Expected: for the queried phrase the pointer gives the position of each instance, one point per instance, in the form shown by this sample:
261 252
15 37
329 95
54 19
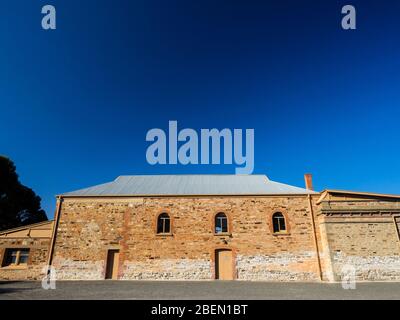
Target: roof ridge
191 175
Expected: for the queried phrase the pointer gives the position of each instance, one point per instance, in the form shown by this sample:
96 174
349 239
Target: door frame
106 262
214 261
395 217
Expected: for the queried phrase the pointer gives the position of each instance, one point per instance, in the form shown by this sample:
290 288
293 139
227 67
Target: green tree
19 205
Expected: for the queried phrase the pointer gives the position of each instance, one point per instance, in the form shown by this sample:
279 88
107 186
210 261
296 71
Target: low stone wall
279 267
30 273
169 269
68 269
282 267
365 247
373 268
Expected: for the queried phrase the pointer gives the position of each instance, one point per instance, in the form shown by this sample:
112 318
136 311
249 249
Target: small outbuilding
24 251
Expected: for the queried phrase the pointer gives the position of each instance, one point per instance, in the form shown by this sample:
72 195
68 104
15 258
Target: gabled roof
342 193
36 230
167 185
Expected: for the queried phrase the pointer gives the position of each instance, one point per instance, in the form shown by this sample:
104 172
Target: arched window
278 222
221 223
163 223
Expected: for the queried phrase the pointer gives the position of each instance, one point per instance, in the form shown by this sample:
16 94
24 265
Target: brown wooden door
223 264
112 264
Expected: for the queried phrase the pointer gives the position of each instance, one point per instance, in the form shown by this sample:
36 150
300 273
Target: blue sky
76 103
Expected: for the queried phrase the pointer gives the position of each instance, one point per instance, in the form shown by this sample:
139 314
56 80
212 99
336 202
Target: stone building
24 251
203 227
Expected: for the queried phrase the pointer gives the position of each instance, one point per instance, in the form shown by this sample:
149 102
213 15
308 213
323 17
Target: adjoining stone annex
24 251
203 227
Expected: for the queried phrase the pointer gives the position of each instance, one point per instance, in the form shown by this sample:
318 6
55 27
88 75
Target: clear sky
76 103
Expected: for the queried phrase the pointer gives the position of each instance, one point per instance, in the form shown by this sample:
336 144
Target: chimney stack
308 180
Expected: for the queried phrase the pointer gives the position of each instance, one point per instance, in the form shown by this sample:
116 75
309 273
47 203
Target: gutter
315 237
54 233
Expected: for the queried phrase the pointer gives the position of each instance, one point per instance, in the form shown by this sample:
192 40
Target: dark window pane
224 225
221 223
160 225
275 224
282 226
23 259
217 225
23 256
167 226
11 256
278 222
163 223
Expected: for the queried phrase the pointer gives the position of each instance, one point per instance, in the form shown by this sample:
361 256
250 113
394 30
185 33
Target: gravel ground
171 290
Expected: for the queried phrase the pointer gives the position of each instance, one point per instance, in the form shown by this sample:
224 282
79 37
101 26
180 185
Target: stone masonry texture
89 227
352 236
361 238
37 261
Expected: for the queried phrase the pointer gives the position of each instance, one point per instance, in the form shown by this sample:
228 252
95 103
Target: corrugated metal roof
189 185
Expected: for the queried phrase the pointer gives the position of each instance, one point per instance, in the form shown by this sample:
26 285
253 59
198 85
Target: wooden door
223 264
112 264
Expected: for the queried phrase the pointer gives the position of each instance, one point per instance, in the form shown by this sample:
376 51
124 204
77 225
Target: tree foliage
19 205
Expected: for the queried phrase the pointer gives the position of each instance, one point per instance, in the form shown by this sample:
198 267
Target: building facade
217 227
24 251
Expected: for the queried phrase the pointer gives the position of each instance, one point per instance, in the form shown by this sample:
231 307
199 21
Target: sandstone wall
89 227
367 244
36 262
361 238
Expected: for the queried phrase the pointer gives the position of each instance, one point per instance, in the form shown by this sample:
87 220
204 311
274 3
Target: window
23 256
397 222
163 223
15 257
221 223
278 222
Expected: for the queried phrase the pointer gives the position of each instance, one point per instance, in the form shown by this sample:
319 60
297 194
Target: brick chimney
308 180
